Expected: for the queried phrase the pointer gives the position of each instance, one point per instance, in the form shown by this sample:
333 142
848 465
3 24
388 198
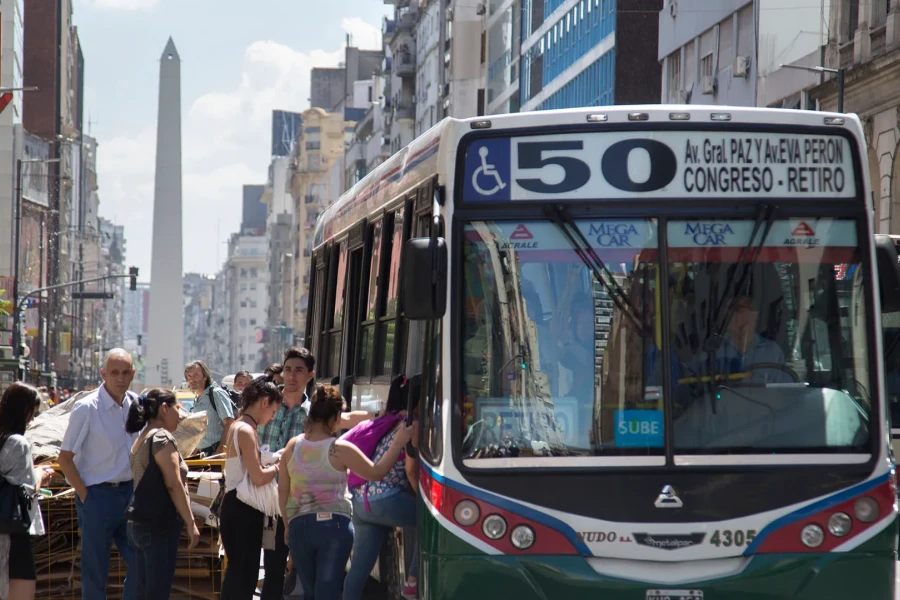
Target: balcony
404 64
404 110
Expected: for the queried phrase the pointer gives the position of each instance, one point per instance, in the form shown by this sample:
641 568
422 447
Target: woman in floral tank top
312 488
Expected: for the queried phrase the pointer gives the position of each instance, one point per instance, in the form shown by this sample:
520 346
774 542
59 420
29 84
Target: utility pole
840 79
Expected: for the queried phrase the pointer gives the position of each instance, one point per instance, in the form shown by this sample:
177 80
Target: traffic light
133 275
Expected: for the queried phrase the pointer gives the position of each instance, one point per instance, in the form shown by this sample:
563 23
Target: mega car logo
613 235
668 541
708 234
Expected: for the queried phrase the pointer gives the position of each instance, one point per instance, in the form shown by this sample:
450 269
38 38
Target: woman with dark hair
160 506
312 488
18 406
381 506
241 525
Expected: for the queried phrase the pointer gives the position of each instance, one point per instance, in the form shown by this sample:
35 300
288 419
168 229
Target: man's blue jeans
371 528
155 549
320 549
101 518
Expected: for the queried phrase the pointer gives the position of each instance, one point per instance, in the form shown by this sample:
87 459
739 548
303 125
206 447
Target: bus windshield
563 353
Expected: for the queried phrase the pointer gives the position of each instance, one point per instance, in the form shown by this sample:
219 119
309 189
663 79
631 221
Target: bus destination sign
658 164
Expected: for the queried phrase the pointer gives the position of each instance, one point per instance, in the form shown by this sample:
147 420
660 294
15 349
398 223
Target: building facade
326 87
319 147
246 281
732 53
280 225
53 62
864 40
588 53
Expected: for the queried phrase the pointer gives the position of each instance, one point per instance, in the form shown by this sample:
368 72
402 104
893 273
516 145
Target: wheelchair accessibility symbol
488 172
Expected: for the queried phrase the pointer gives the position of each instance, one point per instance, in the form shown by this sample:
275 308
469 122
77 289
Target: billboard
285 128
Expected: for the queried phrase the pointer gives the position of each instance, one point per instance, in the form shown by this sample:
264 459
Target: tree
6 306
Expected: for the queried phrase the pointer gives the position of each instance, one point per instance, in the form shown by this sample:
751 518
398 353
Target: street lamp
18 238
817 69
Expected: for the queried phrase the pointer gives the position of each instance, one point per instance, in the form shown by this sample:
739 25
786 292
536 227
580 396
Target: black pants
275 562
242 533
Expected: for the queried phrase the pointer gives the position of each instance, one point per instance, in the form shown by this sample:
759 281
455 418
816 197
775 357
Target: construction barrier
198 571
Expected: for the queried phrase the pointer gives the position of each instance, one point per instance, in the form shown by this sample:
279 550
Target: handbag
15 504
263 498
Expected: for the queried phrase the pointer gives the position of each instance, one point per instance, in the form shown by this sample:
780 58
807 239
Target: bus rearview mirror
888 273
424 277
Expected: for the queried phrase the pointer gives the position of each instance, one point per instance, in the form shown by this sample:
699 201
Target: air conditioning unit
480 10
741 66
673 8
708 84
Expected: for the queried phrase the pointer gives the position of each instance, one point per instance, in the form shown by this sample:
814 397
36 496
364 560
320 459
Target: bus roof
433 153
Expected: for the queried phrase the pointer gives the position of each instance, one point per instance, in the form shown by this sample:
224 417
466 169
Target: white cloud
122 4
226 139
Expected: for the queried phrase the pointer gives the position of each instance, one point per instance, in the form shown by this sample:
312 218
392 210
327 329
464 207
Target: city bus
644 347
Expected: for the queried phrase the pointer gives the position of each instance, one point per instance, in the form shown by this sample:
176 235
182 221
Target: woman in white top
18 406
241 525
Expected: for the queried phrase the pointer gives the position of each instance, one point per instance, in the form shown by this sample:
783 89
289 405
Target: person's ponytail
146 408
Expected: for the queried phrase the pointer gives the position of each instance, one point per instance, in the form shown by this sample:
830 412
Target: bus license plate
674 595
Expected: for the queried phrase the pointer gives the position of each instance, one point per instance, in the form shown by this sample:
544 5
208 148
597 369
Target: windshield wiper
765 218
588 256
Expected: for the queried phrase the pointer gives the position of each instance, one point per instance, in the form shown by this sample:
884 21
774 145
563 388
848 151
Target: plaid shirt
287 423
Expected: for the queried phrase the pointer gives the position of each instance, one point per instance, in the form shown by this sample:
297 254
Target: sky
238 64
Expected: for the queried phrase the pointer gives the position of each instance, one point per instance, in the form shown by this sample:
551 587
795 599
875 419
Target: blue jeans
155 548
101 518
371 528
320 550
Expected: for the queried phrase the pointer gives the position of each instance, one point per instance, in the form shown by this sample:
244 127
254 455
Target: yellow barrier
198 572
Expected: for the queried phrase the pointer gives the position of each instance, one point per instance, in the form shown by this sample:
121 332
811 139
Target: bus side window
392 327
314 341
336 314
370 301
430 421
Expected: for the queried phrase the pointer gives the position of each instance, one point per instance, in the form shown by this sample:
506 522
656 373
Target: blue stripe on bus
814 508
524 511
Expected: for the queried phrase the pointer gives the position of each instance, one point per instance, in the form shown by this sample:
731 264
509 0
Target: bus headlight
522 537
866 509
812 536
494 527
466 513
839 524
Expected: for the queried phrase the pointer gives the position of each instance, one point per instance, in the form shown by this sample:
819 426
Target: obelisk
165 347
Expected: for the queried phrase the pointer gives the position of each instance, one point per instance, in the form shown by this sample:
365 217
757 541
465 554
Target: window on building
243 322
253 287
852 7
254 272
243 272
243 287
675 76
243 305
252 321
253 304
706 65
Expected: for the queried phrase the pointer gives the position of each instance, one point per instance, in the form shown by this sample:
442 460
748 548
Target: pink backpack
366 436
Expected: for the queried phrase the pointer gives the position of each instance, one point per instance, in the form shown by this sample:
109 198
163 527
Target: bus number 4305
732 537
674 595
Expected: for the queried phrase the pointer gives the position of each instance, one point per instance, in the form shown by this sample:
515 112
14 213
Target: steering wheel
777 367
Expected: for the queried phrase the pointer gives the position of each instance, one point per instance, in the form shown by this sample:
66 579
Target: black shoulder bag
15 504
151 502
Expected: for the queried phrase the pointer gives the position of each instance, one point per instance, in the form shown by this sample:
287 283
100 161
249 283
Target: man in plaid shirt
298 370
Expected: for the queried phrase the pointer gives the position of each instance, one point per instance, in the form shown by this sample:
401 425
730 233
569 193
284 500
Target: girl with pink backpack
381 506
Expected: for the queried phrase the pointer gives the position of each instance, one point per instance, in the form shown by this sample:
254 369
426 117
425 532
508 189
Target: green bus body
567 491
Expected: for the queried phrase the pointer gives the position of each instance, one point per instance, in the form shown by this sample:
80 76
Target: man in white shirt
95 460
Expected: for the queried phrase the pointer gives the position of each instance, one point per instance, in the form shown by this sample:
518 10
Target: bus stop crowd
294 490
